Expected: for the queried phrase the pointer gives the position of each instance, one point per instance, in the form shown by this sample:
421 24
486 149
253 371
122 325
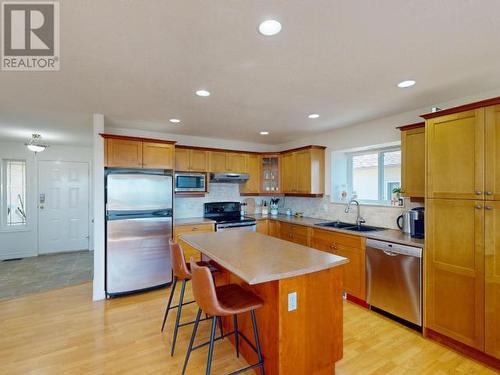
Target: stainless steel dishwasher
394 279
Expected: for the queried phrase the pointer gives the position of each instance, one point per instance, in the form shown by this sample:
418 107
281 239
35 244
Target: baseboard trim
357 301
462 348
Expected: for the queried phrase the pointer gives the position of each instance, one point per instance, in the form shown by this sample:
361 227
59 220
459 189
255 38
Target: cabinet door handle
478 206
489 193
194 229
489 208
479 192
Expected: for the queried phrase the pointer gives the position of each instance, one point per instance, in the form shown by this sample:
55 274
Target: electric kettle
404 222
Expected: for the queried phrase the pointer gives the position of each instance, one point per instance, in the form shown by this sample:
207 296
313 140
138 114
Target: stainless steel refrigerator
138 228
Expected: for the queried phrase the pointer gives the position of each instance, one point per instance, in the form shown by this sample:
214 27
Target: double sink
349 226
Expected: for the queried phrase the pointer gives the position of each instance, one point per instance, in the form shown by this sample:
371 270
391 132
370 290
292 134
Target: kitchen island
300 323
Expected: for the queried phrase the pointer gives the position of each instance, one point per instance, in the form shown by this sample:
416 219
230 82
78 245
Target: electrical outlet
292 301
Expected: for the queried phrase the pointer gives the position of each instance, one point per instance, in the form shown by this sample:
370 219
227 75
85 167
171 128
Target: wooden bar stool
182 272
222 301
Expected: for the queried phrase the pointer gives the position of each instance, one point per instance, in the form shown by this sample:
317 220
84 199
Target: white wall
98 216
24 243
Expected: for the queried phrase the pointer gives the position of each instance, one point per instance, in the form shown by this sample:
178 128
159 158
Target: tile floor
45 272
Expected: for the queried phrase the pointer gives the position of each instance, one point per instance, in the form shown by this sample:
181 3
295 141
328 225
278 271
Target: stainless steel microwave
190 181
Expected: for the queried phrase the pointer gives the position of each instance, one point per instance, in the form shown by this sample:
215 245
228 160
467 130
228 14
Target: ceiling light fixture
313 115
174 120
35 145
264 133
406 83
269 27
203 93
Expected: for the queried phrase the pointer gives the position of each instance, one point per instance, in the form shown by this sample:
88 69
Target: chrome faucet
359 219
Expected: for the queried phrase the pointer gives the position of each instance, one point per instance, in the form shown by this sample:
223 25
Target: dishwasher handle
390 253
394 249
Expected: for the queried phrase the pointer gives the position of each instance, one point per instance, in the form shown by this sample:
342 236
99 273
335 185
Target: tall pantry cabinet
462 268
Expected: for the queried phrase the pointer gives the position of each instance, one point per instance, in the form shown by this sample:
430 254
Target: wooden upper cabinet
413 162
198 160
492 159
130 152
191 160
253 169
492 278
217 161
123 153
303 171
455 155
181 159
157 155
236 162
454 270
288 173
350 247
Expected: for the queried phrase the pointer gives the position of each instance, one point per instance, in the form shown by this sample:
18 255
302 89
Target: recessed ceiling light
174 120
203 93
407 83
270 27
313 115
264 133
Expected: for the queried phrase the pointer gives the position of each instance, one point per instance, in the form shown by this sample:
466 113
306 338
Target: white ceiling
139 63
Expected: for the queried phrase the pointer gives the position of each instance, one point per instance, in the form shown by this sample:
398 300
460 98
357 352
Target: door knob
478 206
489 193
488 208
479 192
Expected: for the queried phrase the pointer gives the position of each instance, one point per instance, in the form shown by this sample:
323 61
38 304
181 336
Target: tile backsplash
320 208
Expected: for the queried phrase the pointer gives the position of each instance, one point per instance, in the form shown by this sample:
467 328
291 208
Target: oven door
190 181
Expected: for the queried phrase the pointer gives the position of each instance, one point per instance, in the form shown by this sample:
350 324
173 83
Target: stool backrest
179 266
204 289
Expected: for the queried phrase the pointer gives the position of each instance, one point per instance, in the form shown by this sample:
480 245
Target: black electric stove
228 215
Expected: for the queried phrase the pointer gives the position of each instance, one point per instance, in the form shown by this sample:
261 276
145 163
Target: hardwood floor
63 332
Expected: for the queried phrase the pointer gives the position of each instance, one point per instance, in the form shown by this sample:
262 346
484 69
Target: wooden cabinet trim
138 139
463 108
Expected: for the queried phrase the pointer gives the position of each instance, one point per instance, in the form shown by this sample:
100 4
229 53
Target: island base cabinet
304 341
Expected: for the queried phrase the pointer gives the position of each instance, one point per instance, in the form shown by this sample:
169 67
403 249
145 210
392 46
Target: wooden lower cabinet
187 249
295 233
263 226
274 228
350 247
492 278
454 270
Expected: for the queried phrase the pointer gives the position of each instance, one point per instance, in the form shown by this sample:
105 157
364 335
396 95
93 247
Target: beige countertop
193 221
390 235
257 258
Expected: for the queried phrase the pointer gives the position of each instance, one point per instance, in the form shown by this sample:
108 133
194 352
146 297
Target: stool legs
172 291
211 345
178 319
211 342
191 342
236 335
257 342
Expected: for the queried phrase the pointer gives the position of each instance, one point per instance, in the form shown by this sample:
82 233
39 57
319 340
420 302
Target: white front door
63 206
